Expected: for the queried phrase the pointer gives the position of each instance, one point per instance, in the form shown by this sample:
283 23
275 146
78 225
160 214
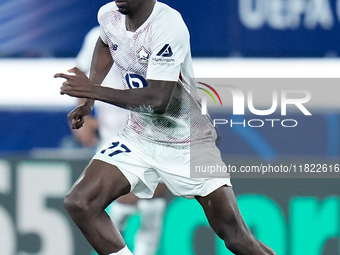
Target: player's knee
75 205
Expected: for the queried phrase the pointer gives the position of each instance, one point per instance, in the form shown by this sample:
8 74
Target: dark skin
102 183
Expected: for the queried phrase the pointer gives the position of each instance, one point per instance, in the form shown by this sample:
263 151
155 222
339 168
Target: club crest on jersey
165 52
143 56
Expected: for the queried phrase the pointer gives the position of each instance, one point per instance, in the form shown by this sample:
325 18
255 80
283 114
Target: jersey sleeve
103 36
102 12
170 46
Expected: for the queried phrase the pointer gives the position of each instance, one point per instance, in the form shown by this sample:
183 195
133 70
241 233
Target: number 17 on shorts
116 148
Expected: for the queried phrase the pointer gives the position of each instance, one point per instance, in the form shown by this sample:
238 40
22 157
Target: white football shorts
145 163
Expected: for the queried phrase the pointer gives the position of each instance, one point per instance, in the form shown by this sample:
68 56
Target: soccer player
108 121
165 133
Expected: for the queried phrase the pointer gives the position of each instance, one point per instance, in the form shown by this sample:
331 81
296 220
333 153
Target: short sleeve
103 36
104 9
170 46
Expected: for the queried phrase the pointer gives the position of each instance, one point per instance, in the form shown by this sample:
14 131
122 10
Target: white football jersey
158 50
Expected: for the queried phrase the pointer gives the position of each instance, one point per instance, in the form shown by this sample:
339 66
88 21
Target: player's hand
76 84
88 134
77 116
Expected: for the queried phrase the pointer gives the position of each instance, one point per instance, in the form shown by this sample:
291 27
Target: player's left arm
152 99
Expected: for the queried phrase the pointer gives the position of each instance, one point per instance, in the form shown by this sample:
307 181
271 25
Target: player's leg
226 220
97 187
151 211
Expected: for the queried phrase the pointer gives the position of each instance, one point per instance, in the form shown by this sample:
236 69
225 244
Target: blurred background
40 159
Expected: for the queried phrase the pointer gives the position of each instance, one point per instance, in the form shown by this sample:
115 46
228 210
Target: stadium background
239 38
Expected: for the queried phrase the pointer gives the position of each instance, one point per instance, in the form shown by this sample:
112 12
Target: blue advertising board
261 28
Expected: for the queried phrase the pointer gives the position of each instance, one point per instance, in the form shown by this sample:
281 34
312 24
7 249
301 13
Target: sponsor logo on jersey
164 57
135 81
165 52
143 56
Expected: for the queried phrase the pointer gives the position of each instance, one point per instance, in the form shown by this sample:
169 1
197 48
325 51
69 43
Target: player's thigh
99 184
222 212
161 190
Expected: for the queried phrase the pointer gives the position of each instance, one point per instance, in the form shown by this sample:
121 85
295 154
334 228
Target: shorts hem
211 188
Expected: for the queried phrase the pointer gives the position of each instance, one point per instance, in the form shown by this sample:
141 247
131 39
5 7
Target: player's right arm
100 66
